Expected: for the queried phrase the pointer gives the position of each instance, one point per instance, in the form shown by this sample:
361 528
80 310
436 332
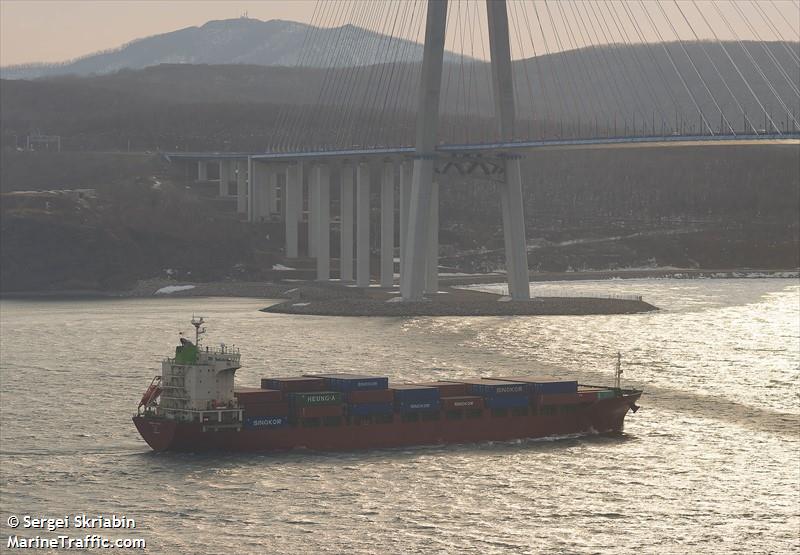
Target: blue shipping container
415 394
507 401
493 389
266 421
369 409
354 382
548 388
410 406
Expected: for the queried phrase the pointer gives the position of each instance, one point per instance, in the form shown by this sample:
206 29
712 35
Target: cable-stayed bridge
682 72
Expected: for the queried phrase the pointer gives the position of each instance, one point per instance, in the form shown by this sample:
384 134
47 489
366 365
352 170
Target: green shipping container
315 398
607 394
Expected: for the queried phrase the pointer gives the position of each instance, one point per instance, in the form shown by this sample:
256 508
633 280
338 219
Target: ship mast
197 322
618 378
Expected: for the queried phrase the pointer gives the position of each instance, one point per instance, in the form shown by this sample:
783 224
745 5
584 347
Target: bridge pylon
418 262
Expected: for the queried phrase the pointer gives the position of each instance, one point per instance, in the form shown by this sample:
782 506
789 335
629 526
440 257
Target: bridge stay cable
768 52
694 67
638 62
323 60
327 98
665 82
354 75
675 67
545 95
735 66
630 75
612 44
576 100
610 85
288 109
409 78
396 121
314 62
560 92
758 69
716 69
593 103
605 45
375 117
521 64
777 32
363 78
375 72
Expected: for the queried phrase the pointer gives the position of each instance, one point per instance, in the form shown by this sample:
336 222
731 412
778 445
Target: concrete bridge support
362 225
406 174
313 213
294 199
257 201
511 192
346 218
202 170
418 249
241 187
387 225
432 266
271 202
226 175
321 179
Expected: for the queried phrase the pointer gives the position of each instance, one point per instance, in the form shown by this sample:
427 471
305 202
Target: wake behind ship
194 406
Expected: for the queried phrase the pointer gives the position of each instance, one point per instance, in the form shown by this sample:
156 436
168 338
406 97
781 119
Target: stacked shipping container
335 395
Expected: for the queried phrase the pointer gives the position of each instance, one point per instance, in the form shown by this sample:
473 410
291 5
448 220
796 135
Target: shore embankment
335 299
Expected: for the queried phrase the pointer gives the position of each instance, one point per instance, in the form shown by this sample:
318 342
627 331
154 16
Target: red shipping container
249 395
320 411
462 402
371 396
267 409
587 395
557 399
449 389
296 384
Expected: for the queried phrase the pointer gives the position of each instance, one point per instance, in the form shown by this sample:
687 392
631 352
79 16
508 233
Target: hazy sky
58 30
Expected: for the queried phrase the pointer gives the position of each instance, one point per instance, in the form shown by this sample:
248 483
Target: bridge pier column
346 218
387 225
511 192
321 178
271 200
202 170
254 177
264 180
417 251
223 178
251 169
294 198
432 264
406 174
242 198
514 222
313 213
362 225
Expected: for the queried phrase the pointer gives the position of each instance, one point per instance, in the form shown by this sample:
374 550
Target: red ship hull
603 416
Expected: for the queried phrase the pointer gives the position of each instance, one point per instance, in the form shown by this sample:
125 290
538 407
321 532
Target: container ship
194 405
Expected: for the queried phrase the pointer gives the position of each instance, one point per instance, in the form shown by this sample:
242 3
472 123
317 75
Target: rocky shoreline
333 299
549 306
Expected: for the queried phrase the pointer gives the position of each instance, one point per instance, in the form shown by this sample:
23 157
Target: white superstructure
196 385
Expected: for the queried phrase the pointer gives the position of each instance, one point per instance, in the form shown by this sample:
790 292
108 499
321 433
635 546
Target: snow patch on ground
173 289
281 267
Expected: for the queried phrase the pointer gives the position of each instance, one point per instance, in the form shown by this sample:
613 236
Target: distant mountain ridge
235 41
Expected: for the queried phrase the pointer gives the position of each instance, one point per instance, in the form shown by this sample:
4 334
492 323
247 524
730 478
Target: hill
233 41
239 107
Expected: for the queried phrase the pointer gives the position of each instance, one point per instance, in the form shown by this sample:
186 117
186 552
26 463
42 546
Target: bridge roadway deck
501 147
